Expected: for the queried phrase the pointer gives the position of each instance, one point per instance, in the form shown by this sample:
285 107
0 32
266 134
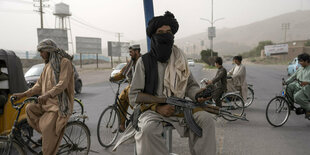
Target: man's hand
19 95
111 79
42 99
165 110
201 99
209 82
304 83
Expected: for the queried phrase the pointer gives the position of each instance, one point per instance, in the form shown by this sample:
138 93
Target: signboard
86 45
211 32
58 35
118 48
276 49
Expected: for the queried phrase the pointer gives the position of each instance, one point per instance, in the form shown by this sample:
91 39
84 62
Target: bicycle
76 138
109 120
231 102
78 109
250 94
279 107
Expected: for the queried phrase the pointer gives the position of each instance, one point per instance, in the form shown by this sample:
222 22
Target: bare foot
121 128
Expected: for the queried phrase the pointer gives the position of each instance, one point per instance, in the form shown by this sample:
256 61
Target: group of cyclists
161 72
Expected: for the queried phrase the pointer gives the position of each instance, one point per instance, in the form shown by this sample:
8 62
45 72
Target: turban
159 21
47 45
135 47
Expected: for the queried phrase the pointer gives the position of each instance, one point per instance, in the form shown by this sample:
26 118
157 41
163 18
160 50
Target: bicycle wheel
76 139
78 108
232 104
108 126
250 97
277 111
16 149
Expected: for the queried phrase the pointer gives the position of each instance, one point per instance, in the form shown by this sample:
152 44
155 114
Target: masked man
238 78
164 72
56 89
127 72
299 84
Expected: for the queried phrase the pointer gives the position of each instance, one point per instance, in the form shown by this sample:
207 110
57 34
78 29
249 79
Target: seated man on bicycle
56 89
127 72
298 87
237 82
219 81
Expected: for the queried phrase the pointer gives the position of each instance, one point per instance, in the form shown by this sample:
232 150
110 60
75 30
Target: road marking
220 132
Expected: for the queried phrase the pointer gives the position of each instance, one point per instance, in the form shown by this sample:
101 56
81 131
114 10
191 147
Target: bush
206 56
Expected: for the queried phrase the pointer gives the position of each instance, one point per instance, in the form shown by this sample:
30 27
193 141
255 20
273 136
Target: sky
105 18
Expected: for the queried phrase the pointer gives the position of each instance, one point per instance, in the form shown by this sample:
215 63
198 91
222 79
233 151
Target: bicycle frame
12 135
121 109
288 99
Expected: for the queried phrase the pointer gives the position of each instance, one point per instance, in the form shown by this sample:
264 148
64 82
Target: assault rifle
185 106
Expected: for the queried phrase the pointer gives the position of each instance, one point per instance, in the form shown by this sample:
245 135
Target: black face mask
161 46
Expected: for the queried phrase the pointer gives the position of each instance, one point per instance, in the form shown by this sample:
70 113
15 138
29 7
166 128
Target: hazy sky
105 17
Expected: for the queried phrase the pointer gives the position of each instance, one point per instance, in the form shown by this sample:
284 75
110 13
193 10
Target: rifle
186 106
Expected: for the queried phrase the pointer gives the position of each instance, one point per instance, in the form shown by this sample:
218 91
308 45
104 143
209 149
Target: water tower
62 20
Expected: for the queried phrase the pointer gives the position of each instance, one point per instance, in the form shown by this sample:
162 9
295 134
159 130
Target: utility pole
211 37
211 30
41 14
285 27
149 14
40 6
119 35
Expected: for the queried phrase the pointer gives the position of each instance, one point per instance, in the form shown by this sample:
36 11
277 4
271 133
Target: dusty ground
90 74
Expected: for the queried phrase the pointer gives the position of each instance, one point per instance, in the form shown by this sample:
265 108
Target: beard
48 59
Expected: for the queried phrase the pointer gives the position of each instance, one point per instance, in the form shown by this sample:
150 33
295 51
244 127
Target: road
255 137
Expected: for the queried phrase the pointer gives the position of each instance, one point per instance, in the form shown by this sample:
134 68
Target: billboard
87 45
118 48
276 49
58 35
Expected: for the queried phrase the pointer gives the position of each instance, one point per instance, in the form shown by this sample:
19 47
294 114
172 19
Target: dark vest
151 73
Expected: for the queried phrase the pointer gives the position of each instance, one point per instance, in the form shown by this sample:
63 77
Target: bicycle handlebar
285 83
119 82
20 105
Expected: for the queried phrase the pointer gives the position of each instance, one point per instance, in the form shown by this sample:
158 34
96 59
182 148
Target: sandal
307 115
37 144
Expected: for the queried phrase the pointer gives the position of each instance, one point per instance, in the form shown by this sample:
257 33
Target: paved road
239 137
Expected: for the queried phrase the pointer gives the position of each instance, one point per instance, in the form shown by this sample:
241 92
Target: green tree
307 43
206 56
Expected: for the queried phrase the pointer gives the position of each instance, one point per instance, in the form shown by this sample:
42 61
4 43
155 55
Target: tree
307 43
206 56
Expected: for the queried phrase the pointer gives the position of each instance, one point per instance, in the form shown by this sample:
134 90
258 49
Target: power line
96 28
86 24
19 1
17 11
